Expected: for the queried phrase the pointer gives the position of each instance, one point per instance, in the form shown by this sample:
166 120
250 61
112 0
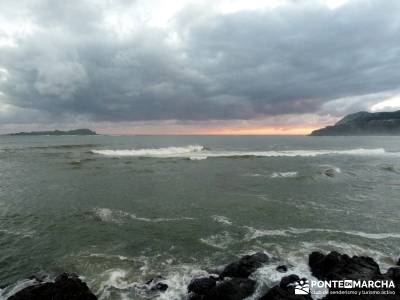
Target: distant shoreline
81 131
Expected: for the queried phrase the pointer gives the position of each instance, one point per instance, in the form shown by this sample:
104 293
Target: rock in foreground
245 266
285 290
336 266
232 283
65 287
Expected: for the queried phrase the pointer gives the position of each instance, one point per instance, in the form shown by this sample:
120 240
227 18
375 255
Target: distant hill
83 131
364 123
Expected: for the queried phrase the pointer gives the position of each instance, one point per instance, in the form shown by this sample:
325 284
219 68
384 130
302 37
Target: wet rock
202 286
336 266
232 289
227 289
156 284
330 172
394 274
216 270
282 268
398 262
285 290
65 287
160 286
245 266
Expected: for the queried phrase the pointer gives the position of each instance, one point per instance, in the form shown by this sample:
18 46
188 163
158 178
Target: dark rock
202 286
330 172
285 290
154 279
65 287
216 270
282 268
194 296
245 266
394 274
232 289
336 266
288 280
398 262
156 284
160 286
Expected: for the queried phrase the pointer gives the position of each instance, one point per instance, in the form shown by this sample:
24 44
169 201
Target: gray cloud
298 58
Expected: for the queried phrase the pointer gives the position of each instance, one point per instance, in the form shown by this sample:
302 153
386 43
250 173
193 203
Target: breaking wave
118 217
198 152
221 219
154 152
257 233
283 174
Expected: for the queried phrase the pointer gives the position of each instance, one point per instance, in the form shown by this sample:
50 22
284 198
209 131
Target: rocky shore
235 282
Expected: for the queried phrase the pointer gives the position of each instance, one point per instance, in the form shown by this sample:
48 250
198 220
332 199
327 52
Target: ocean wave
154 152
257 233
283 174
197 152
10 290
119 217
221 219
220 240
23 233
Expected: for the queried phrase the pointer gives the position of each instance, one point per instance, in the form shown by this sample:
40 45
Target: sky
196 67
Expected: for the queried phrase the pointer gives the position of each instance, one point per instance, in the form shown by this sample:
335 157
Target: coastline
235 281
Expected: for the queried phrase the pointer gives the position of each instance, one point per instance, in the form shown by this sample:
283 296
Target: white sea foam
196 152
267 276
222 220
283 174
115 279
154 152
220 240
179 279
118 284
257 233
15 288
118 216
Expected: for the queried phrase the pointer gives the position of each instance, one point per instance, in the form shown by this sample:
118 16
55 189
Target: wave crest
153 152
198 152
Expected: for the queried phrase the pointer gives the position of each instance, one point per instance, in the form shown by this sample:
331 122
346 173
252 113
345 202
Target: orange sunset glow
260 131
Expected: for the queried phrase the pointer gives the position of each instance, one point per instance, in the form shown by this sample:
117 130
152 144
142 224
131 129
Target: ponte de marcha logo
302 287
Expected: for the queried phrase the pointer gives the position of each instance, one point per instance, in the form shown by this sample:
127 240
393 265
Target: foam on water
179 279
283 174
15 288
221 219
257 233
115 280
220 240
118 217
154 152
196 152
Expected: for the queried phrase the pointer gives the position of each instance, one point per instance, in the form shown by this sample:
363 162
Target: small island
82 131
364 123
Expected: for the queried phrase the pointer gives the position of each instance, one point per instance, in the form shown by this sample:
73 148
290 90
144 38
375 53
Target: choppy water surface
119 210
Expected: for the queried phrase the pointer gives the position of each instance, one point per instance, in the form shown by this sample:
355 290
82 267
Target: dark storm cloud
204 65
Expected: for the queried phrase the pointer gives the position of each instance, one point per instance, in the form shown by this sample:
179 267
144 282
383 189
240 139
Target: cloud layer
137 61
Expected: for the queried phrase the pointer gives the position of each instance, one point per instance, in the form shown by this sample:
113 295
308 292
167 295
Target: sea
120 210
